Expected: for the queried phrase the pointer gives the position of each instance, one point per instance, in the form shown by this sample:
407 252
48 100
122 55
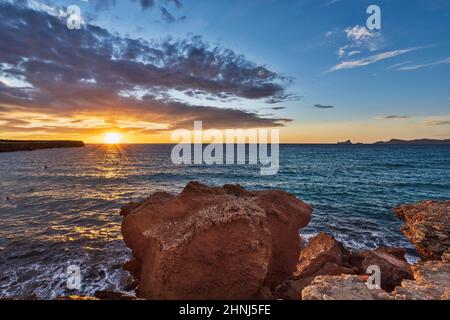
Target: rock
432 282
323 255
213 243
321 252
291 289
111 295
264 294
427 226
392 263
344 287
446 256
73 298
154 199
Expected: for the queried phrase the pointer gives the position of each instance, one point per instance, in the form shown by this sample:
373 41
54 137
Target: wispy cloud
394 66
425 65
437 122
392 117
330 2
351 64
321 106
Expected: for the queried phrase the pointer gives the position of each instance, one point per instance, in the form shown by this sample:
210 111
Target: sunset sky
144 68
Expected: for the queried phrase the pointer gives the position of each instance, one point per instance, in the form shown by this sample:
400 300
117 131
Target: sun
112 137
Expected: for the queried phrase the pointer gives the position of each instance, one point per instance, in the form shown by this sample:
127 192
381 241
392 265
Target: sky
143 68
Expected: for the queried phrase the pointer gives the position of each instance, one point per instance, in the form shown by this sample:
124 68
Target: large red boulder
213 243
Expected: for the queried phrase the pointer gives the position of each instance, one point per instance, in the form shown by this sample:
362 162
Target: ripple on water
67 213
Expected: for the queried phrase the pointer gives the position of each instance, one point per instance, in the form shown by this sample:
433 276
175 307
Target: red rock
394 268
323 255
213 243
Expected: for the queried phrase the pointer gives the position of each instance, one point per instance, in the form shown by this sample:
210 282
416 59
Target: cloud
359 33
392 116
321 106
425 65
351 64
146 5
437 122
359 37
167 16
91 73
330 2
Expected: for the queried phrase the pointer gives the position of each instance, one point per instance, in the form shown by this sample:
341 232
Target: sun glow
112 138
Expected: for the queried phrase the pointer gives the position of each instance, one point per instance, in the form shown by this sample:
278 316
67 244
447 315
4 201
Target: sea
59 208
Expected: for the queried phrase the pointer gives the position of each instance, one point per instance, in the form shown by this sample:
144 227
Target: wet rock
427 226
213 243
344 287
392 263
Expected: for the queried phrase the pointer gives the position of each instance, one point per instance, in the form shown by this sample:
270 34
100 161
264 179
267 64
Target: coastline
31 145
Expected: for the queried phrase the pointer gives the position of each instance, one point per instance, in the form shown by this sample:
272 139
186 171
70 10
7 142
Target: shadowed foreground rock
427 226
213 243
323 255
392 263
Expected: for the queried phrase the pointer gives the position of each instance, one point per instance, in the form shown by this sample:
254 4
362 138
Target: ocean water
60 207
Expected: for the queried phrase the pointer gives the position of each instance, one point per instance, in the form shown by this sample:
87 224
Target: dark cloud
394 116
146 4
94 72
167 16
321 106
278 108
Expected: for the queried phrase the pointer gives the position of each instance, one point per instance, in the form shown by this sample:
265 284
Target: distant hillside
417 141
30 145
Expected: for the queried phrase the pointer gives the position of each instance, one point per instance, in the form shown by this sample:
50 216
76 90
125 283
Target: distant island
30 145
348 143
403 142
416 141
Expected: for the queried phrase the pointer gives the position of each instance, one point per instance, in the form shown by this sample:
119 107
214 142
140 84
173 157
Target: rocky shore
225 242
30 145
229 243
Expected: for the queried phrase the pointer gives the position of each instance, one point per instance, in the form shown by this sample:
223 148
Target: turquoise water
60 207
